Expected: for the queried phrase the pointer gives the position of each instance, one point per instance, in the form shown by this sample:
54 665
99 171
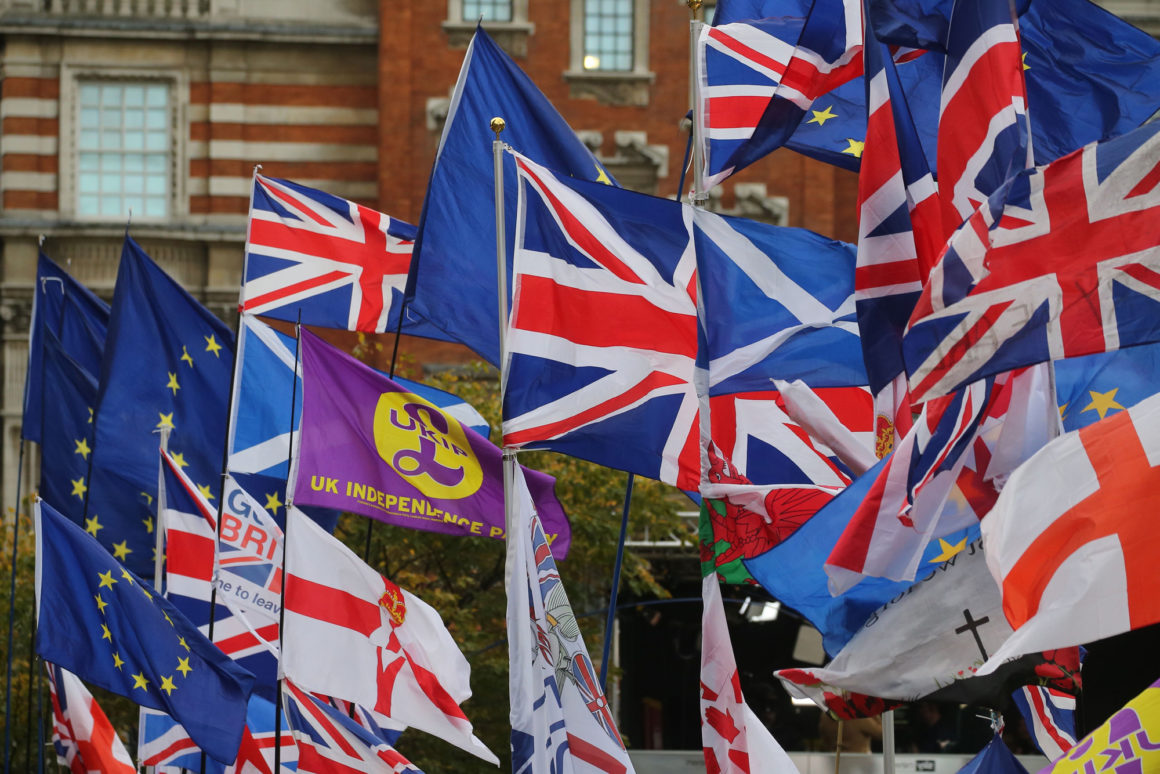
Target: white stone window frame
512 35
618 87
71 78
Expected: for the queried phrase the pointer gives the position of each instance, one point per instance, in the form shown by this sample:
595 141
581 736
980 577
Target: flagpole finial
497 125
694 5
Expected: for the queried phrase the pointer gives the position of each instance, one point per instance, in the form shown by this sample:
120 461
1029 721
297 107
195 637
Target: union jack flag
898 237
191 528
1050 718
82 735
983 131
602 339
1064 260
330 742
945 474
757 78
339 264
163 743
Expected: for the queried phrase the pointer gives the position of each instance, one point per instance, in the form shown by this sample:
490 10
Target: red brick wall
416 62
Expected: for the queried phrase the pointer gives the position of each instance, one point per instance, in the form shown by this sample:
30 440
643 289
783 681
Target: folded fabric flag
397 656
371 447
101 622
559 714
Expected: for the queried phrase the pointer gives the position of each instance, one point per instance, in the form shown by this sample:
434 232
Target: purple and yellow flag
1129 743
368 446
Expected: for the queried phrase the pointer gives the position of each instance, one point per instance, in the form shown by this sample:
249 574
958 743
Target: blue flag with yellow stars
99 621
79 320
67 439
1092 387
1090 75
167 366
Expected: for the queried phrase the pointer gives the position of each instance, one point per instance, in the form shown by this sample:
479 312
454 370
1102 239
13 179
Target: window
489 10
505 20
608 39
609 51
123 149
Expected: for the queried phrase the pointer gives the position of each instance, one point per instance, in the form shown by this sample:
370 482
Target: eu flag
78 318
101 622
167 366
453 281
66 442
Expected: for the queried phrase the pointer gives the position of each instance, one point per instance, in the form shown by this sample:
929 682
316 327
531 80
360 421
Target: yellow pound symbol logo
424 446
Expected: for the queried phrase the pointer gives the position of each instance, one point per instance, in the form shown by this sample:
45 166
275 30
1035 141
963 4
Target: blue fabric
101 622
758 280
158 335
995 758
66 441
453 281
77 317
1090 76
793 571
1094 386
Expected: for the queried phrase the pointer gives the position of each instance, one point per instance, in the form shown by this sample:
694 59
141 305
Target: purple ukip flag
368 446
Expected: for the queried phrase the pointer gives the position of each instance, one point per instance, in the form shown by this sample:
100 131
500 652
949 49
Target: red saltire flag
398 658
1071 541
84 738
733 740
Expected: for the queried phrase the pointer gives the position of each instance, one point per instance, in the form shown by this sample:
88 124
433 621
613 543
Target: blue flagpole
611 621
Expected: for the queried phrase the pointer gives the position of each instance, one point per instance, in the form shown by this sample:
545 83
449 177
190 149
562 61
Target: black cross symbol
973 627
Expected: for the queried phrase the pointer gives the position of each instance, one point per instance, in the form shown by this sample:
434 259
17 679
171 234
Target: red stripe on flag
1045 719
584 239
291 202
1142 273
881 275
594 756
653 381
597 319
334 606
736 112
189 555
274 296
752 54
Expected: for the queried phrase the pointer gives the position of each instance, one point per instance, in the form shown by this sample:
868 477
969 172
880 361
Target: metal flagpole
611 621
15 544
497 125
159 530
285 540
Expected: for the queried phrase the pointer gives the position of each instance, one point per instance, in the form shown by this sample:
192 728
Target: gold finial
694 5
497 126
